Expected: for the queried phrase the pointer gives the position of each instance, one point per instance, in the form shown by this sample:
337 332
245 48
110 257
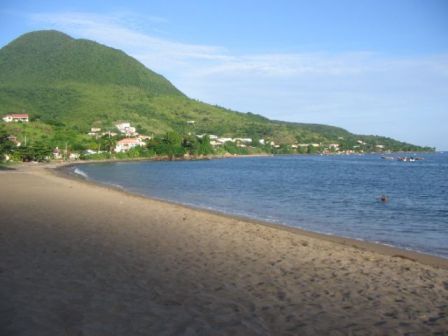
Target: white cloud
363 91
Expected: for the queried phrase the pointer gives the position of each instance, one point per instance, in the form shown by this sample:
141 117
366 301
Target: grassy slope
78 84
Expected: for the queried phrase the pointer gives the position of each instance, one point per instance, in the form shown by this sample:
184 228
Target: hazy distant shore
77 258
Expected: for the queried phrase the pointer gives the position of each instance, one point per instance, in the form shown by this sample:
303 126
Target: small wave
81 173
119 186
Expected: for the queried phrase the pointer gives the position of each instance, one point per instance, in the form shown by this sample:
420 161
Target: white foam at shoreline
81 173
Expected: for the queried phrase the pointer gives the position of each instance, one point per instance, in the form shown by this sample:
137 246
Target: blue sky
372 67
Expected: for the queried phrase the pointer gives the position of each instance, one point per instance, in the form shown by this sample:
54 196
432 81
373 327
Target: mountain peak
50 57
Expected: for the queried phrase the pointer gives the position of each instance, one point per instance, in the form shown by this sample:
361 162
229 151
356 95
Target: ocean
335 195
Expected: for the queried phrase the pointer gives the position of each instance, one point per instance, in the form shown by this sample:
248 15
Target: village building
144 137
91 152
74 156
224 140
244 140
57 153
109 133
126 144
16 118
126 128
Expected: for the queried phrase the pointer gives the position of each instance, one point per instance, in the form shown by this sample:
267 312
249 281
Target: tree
6 146
37 152
170 144
108 143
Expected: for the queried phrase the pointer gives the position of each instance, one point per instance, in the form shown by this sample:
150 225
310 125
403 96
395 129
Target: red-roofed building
16 117
126 144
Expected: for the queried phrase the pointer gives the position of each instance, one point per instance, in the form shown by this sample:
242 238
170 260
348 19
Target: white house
57 153
224 140
16 117
245 140
109 133
144 137
74 156
126 144
126 128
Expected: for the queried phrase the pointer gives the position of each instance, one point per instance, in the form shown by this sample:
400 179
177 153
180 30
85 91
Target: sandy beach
82 259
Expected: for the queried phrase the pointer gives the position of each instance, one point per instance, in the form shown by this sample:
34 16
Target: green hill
69 85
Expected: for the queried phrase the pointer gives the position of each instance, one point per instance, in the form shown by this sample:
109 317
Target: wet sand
81 259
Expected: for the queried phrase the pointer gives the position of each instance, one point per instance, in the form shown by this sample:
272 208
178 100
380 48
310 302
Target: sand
81 259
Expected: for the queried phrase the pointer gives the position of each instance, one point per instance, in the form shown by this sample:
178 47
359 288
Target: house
126 144
74 156
95 130
222 141
244 140
144 137
333 146
16 118
190 122
123 126
126 128
57 153
109 133
91 152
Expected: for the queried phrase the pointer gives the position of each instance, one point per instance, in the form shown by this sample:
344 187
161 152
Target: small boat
409 159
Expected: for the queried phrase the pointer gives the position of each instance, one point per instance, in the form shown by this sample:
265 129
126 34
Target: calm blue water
328 194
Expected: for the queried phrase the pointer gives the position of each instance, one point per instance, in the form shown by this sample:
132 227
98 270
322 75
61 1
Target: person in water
384 198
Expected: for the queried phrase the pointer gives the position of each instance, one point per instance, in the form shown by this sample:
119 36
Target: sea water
338 195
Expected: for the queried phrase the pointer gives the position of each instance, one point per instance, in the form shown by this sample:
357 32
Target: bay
337 195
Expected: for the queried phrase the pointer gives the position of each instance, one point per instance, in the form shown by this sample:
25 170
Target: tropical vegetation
68 86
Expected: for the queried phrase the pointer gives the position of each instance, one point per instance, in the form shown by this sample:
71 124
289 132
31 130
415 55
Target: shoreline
80 258
376 247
